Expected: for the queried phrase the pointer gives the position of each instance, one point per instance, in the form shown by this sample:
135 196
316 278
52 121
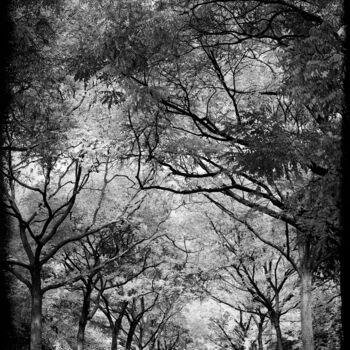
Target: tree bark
117 326
260 334
84 318
276 325
115 336
307 333
305 273
36 312
130 335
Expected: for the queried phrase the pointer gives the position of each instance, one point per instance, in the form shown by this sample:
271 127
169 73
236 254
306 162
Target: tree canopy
162 157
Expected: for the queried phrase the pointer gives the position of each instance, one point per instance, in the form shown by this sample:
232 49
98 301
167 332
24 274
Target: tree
309 267
86 261
107 261
199 127
39 227
226 336
237 100
45 170
264 277
115 317
44 177
174 335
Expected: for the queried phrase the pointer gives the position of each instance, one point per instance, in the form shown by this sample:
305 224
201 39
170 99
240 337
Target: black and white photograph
172 175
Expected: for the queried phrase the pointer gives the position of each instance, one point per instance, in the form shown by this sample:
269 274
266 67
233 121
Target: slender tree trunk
36 312
276 325
276 321
83 318
305 272
260 334
130 335
115 336
307 333
117 327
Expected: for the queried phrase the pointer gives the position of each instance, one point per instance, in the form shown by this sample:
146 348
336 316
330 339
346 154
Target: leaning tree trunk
83 320
305 272
36 312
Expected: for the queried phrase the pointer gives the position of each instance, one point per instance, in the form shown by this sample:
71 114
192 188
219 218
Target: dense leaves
234 105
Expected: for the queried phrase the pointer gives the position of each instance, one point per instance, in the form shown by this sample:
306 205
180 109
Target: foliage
238 105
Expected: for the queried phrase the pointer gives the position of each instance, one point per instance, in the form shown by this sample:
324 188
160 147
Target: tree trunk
84 318
305 273
130 335
276 325
117 327
260 334
307 333
115 335
36 312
